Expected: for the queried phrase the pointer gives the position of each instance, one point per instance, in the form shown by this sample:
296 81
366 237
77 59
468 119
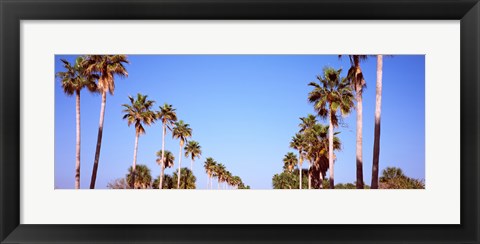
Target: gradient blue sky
243 110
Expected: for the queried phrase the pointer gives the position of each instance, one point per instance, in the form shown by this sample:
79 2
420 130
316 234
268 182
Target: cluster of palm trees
334 96
225 179
139 112
97 73
144 180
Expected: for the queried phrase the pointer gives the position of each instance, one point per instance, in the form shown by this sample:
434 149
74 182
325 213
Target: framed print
239 121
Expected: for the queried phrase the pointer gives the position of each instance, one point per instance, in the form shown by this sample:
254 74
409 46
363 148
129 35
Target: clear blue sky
243 110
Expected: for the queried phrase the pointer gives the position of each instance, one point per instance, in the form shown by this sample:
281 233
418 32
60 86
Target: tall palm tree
236 180
209 169
168 116
298 142
139 113
181 131
331 94
193 150
73 81
219 172
228 179
378 109
305 126
289 161
355 76
168 159
139 178
106 67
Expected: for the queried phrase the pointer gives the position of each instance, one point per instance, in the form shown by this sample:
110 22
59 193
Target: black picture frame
13 11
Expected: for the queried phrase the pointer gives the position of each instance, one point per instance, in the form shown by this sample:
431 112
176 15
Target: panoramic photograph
239 122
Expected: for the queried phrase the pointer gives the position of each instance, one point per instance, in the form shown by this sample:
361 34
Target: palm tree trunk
99 140
300 169
330 151
179 164
358 93
321 181
208 180
160 185
359 138
134 164
309 175
378 109
77 146
191 165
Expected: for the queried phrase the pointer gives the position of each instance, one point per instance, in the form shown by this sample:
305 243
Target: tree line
97 74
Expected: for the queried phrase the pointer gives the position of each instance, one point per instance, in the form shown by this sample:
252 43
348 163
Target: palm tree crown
193 150
75 79
106 66
290 161
181 131
168 158
139 113
141 176
331 94
167 115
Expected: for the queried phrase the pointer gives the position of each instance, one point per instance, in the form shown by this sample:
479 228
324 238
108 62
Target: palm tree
219 172
355 76
168 116
228 179
168 182
318 149
331 94
167 158
236 180
378 109
298 142
139 177
181 131
106 67
305 126
209 166
193 150
289 161
73 81
139 114
187 179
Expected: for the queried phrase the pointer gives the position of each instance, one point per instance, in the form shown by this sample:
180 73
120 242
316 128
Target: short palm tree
168 116
318 149
73 81
181 131
332 94
289 162
168 159
187 179
139 178
106 67
139 113
193 150
209 166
